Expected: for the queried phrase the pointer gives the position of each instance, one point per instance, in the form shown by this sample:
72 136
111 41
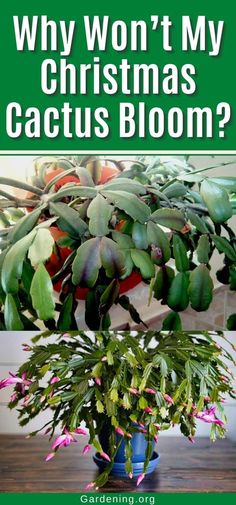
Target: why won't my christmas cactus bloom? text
89 231
149 382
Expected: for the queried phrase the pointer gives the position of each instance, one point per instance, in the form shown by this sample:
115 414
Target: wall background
12 356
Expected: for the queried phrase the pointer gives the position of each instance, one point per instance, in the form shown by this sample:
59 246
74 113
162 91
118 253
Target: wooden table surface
203 467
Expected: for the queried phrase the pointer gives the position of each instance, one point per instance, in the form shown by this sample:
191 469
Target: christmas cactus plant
125 382
92 230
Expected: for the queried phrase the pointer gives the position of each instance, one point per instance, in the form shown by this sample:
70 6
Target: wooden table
203 467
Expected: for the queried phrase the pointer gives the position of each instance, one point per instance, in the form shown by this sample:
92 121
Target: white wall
12 356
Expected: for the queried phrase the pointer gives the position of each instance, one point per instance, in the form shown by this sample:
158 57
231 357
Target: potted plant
122 389
151 221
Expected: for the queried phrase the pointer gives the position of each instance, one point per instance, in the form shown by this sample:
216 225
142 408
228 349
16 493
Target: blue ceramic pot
139 445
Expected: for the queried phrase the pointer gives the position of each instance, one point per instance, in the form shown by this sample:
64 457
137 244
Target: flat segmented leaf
13 263
217 201
170 218
200 288
69 219
41 247
99 213
130 203
223 246
11 315
25 225
143 262
112 258
180 254
158 239
41 292
178 297
87 263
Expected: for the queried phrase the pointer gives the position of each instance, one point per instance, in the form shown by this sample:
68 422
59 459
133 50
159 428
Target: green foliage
118 380
160 220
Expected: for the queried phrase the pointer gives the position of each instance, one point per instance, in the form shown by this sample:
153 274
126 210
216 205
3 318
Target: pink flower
140 478
13 380
26 400
10 381
63 440
26 347
104 358
133 391
105 456
13 397
50 456
129 435
208 416
142 425
90 485
86 449
150 391
54 380
148 410
130 475
98 381
169 399
81 431
157 426
191 439
224 378
155 438
119 431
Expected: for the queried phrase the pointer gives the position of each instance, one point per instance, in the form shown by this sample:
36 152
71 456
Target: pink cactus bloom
86 449
142 425
13 380
129 435
208 416
133 391
98 381
157 426
148 410
119 431
26 400
156 438
63 440
50 456
105 456
10 381
150 391
104 358
169 399
130 475
26 347
13 397
81 431
90 485
140 478
54 380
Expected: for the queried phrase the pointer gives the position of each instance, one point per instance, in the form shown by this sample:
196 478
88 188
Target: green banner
108 76
118 498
